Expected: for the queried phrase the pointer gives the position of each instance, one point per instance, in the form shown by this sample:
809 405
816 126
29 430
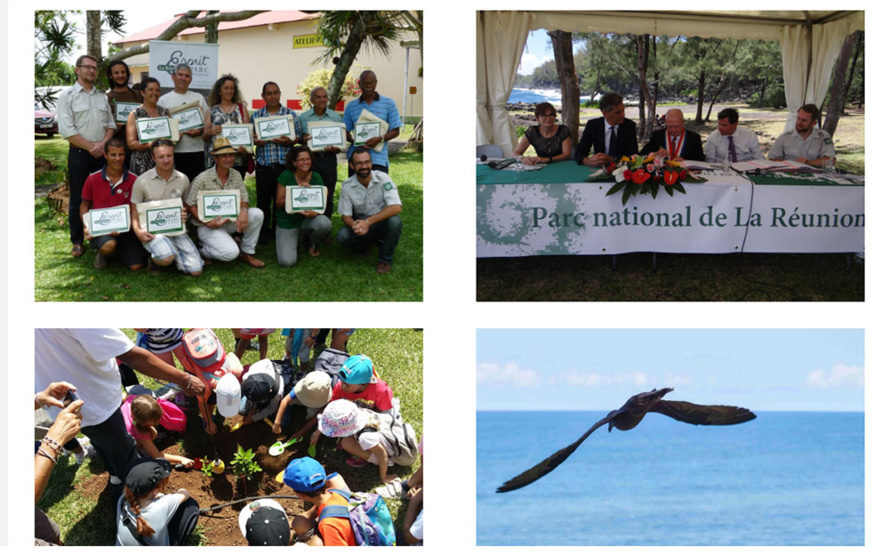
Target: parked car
45 122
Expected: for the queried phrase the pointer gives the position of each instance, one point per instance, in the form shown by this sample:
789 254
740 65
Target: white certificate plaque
239 134
104 221
324 134
122 111
161 217
313 197
191 118
272 127
366 131
151 129
218 204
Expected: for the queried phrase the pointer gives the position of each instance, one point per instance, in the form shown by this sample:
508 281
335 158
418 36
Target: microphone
484 158
502 164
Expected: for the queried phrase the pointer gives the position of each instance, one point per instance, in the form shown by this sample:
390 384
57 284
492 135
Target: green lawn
337 275
398 357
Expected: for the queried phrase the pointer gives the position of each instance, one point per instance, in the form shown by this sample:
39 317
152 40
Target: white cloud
840 376
529 63
677 379
494 373
588 379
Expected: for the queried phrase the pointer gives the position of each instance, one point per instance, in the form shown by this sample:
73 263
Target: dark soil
220 527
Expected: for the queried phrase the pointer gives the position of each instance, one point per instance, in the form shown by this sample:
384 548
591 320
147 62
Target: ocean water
786 478
534 96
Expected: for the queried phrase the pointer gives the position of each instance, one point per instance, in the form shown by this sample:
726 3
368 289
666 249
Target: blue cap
357 370
304 475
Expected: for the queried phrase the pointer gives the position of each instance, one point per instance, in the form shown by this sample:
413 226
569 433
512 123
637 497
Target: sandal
313 250
77 250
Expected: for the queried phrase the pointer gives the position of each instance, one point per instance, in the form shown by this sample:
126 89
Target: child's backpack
330 361
367 513
205 357
399 434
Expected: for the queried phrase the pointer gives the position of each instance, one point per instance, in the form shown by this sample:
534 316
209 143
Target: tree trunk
858 44
564 57
346 58
699 114
211 31
94 34
646 124
719 86
838 87
415 141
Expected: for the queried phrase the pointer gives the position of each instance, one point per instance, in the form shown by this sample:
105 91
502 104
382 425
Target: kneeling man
216 238
107 188
370 205
806 143
162 182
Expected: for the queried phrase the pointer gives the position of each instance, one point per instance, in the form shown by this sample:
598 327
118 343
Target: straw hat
222 146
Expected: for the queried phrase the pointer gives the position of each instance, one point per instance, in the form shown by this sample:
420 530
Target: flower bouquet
638 175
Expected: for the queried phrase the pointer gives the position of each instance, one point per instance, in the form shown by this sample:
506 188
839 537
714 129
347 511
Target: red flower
670 177
683 174
628 175
640 176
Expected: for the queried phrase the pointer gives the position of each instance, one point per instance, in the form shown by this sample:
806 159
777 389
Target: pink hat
342 418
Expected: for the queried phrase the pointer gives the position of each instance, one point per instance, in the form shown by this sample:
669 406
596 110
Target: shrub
243 464
321 78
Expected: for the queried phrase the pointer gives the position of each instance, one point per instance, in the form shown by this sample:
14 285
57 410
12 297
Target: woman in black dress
552 142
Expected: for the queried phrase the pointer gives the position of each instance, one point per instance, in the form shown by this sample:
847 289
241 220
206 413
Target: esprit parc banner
202 58
713 217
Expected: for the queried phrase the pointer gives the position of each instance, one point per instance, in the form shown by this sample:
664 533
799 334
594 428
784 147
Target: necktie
731 149
673 150
612 142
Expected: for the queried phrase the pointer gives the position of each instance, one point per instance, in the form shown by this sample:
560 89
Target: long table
553 211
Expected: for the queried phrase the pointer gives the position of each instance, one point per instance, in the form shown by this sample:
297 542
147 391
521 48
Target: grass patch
398 356
337 275
679 277
54 154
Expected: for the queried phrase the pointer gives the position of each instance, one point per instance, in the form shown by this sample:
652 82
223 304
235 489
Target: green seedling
243 464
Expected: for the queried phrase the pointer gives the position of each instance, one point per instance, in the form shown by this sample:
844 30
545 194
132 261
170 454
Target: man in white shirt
189 151
730 143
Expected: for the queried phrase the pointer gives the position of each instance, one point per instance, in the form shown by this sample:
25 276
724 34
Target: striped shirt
162 340
272 153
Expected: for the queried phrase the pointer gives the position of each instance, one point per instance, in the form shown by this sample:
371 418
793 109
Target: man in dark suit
610 136
675 142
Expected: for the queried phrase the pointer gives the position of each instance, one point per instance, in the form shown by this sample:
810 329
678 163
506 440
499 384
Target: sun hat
222 146
357 370
228 395
145 475
342 418
264 522
304 475
314 391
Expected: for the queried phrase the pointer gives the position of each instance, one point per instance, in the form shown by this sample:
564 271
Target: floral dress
142 161
547 147
220 117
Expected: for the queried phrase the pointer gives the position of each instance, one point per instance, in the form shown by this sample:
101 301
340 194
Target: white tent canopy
810 44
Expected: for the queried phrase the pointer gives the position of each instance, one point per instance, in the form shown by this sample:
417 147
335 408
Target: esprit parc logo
109 218
199 65
154 127
275 126
221 205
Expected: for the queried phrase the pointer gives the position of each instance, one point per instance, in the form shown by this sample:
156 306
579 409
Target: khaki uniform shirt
150 187
790 146
87 114
356 200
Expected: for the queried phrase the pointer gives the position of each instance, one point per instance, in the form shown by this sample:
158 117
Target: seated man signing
805 144
162 182
216 234
110 187
370 205
675 142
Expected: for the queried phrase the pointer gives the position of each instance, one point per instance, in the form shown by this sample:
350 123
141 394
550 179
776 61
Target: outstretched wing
550 463
703 415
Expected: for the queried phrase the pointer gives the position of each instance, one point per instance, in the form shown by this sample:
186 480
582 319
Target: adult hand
600 159
360 227
530 160
241 222
259 142
803 160
332 149
216 222
194 132
52 396
144 236
662 153
86 234
193 387
242 150
97 150
373 141
216 129
67 424
308 213
282 141
413 491
184 215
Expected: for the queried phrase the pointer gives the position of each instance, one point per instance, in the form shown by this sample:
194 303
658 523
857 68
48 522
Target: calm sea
786 478
535 96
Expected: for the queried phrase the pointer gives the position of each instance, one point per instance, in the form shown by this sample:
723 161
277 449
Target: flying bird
628 417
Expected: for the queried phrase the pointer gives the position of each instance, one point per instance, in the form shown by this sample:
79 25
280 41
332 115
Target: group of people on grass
80 376
612 136
109 166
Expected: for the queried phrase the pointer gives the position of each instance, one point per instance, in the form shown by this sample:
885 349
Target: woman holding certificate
303 223
227 107
141 160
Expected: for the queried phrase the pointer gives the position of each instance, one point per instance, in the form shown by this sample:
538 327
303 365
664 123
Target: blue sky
538 49
795 370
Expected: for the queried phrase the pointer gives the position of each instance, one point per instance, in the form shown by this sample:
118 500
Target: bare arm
150 365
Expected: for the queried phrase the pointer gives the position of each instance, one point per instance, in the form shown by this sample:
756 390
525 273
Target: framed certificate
240 134
103 221
218 204
161 217
325 133
299 198
190 118
122 111
272 127
366 131
151 129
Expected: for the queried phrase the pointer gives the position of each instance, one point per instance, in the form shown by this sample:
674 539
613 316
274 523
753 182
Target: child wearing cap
264 523
358 429
313 485
262 388
145 516
312 392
